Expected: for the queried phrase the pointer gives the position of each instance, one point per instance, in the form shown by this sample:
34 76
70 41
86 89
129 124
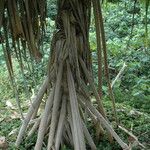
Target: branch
134 138
104 122
118 75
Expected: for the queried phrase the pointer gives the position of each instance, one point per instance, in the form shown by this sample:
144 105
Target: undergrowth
131 91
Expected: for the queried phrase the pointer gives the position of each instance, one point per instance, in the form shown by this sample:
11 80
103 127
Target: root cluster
68 106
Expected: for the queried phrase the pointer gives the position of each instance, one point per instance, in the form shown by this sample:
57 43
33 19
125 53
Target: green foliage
129 47
4 82
131 91
2 60
51 9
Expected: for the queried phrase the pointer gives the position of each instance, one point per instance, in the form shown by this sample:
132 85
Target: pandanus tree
69 79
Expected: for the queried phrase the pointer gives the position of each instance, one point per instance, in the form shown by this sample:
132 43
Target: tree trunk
69 74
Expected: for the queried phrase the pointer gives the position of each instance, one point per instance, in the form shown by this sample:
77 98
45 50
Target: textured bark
69 73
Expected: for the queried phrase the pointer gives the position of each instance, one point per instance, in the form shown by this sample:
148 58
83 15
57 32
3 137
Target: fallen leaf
9 104
14 131
3 143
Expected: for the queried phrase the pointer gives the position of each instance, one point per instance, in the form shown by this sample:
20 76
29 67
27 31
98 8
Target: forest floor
133 120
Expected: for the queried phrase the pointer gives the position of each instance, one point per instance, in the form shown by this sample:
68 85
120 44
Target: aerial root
63 119
104 122
60 123
34 128
88 137
35 104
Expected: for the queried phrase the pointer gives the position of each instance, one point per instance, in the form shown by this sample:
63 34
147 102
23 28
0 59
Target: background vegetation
126 42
